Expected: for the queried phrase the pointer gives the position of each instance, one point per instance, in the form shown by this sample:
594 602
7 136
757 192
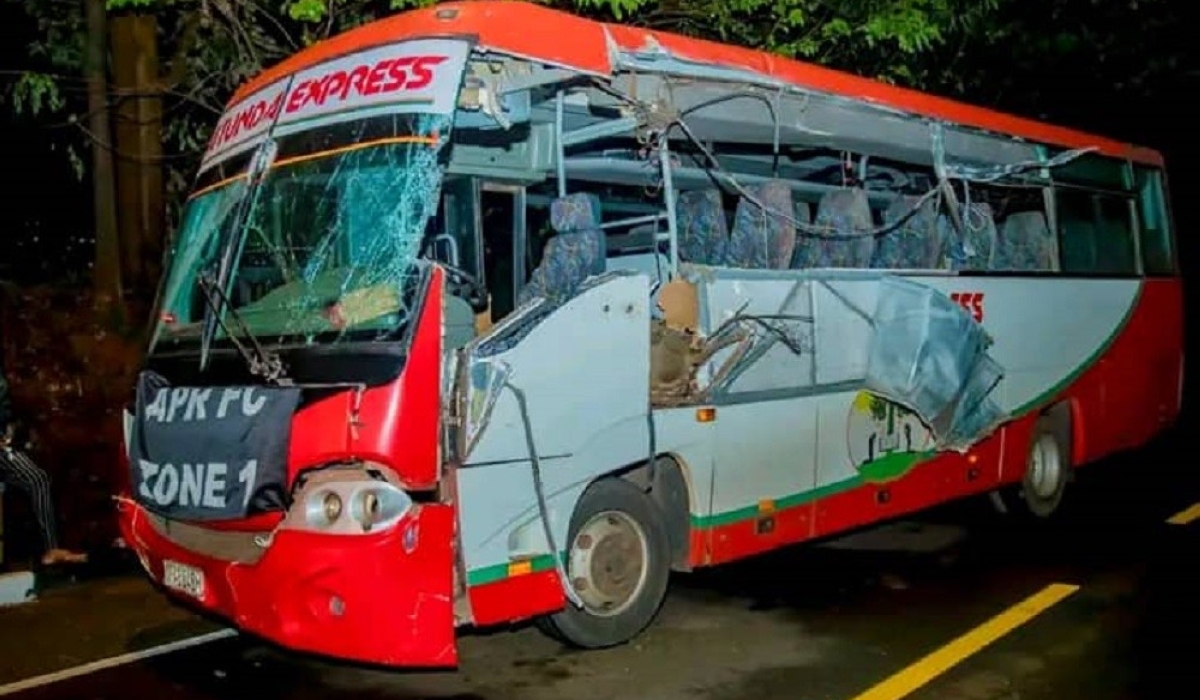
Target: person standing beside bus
17 469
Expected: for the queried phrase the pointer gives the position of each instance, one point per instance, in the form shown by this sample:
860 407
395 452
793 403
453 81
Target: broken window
329 240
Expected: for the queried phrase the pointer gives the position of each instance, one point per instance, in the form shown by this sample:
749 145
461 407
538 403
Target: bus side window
1156 242
1095 232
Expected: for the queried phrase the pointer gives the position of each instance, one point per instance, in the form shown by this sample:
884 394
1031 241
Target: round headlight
331 506
368 509
371 505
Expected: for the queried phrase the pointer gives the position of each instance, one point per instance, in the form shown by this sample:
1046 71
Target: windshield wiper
259 360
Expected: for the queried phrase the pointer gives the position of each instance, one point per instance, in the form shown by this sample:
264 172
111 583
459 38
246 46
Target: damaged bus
485 312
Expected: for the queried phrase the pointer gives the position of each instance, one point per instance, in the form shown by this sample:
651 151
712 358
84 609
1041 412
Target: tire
1047 470
1047 467
621 525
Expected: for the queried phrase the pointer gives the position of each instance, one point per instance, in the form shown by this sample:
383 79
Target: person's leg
18 469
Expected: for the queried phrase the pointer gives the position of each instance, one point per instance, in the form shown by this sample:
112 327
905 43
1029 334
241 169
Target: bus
485 313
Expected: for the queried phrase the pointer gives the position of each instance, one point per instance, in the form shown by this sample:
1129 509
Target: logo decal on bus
410 76
971 301
388 75
885 439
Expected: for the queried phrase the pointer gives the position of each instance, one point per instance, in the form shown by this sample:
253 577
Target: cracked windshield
326 242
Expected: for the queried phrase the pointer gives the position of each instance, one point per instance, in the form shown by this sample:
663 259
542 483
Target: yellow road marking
909 679
1185 516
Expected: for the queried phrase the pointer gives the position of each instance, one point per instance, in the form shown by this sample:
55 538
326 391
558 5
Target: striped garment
18 470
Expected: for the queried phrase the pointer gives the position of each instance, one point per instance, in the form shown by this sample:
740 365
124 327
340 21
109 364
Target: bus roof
532 31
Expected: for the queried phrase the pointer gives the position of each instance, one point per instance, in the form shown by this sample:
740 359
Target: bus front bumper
384 598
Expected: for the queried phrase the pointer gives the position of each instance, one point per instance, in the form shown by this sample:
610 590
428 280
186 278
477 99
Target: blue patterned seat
842 212
574 254
803 240
703 230
916 243
1025 243
972 250
762 239
803 212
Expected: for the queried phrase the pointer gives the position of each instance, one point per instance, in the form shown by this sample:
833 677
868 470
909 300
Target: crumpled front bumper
384 598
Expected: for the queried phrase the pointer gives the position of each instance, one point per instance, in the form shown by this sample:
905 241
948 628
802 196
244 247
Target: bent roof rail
586 45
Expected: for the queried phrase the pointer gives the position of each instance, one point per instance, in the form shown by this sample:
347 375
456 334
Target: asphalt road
827 623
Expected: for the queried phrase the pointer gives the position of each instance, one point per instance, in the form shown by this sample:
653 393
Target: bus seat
803 214
1025 243
972 251
916 243
846 212
575 253
761 239
703 230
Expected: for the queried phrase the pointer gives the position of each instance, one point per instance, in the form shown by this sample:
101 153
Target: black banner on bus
210 453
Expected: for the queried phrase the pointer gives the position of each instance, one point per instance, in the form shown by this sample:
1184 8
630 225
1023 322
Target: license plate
183 578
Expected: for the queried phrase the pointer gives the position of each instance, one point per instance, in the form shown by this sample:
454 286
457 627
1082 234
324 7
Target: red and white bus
486 312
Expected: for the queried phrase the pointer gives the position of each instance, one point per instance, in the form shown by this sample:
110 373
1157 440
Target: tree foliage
1083 62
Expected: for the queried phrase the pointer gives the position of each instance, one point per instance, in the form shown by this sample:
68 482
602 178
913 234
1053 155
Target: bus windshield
328 240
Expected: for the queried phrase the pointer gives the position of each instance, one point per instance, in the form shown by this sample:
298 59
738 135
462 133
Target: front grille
234 546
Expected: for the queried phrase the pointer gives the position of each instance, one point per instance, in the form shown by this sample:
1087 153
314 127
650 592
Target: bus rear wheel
1047 469
618 564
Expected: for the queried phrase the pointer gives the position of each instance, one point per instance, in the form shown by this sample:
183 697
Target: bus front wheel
618 564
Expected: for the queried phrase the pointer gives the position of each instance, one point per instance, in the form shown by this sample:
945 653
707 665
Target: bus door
766 430
479 228
502 213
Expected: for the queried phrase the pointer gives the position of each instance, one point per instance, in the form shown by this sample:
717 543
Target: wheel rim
609 563
1045 467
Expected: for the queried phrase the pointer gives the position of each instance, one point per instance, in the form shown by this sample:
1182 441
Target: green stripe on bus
499 572
887 468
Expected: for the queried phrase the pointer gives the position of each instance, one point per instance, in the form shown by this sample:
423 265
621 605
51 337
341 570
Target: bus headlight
353 506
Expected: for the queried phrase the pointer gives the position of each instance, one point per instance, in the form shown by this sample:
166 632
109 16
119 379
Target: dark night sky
45 204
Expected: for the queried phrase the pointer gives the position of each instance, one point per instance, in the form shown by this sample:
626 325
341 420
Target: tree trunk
107 271
140 178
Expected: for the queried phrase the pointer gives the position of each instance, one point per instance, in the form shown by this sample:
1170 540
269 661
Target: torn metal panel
775 334
930 355
517 349
736 111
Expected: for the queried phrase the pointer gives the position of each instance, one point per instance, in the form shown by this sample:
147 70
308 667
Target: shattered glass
898 339
929 355
196 245
331 241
